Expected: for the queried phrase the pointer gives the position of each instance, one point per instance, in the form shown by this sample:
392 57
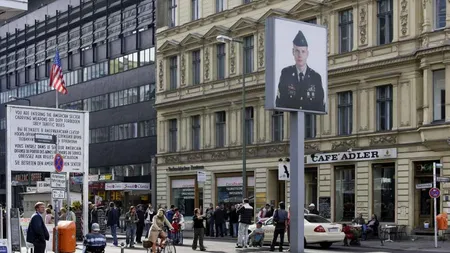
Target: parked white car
318 230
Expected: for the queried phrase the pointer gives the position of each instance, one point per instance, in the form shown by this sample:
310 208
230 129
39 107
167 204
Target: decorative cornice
351 143
383 140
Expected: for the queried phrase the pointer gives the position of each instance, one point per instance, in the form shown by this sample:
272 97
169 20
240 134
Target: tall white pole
56 99
8 182
435 206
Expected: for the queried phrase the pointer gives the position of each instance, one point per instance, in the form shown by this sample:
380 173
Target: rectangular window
345 112
195 132
173 75
440 12
196 67
249 116
220 129
310 126
384 192
345 31
439 95
384 108
194 10
219 5
248 54
172 12
147 128
385 21
277 126
173 133
345 193
221 61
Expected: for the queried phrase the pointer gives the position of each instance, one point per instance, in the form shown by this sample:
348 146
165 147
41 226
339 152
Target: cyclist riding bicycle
94 241
157 229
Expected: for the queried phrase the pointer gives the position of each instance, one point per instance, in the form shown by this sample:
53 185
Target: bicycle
168 248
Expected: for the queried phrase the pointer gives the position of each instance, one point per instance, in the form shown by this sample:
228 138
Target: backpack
280 216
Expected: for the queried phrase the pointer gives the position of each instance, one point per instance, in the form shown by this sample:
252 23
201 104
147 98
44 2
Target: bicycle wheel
170 248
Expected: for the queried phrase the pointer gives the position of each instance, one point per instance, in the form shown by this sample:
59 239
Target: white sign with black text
43 186
58 180
352 156
25 154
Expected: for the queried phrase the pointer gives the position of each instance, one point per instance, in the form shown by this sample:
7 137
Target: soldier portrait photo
296 57
300 87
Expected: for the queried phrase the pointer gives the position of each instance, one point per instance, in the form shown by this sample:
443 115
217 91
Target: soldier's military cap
300 40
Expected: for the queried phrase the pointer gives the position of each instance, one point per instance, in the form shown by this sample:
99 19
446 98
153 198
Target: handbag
147 244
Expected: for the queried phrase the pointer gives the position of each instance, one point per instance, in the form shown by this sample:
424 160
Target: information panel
27 154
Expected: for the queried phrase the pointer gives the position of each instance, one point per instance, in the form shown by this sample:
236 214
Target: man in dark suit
300 87
37 232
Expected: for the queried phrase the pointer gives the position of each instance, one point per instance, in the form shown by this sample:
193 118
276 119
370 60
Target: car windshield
316 219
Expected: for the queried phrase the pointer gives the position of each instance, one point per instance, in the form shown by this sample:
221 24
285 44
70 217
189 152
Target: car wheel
325 245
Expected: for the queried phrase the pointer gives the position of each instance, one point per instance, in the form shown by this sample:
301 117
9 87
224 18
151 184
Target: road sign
58 180
424 186
59 163
45 138
435 193
443 179
58 194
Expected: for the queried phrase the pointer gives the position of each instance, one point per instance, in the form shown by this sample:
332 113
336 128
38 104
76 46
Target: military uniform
300 90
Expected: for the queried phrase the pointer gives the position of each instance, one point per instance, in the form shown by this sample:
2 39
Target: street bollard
122 247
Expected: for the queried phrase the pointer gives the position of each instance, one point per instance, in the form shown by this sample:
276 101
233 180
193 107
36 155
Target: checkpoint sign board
435 193
25 154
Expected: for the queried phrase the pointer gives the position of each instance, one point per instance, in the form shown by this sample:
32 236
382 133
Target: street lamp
225 39
14 98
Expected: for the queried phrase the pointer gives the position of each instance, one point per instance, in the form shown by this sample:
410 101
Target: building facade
107 56
388 118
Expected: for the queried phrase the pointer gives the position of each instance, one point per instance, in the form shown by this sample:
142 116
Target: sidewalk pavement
408 245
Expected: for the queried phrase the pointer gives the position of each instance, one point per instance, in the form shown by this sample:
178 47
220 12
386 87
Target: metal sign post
297 178
435 193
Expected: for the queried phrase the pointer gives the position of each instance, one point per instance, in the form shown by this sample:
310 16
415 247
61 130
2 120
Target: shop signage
184 168
183 183
105 177
352 156
234 181
127 186
93 178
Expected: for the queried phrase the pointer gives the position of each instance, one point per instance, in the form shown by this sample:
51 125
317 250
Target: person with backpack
280 220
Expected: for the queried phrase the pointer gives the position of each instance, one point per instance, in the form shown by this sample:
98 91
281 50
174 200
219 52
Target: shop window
229 190
345 193
183 196
384 192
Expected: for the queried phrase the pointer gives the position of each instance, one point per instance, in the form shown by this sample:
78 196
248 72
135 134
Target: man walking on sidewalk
113 220
245 212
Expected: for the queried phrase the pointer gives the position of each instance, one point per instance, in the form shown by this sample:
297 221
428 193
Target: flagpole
57 102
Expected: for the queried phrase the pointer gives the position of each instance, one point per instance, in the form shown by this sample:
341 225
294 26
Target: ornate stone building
387 122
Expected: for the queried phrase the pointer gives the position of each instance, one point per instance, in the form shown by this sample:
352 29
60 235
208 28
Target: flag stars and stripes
56 75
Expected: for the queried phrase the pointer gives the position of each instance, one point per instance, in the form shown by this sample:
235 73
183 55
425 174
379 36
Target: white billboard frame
85 154
282 68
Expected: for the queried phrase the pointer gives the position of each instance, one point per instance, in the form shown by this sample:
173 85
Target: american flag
56 75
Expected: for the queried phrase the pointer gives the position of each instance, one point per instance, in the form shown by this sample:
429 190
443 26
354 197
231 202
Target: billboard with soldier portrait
296 66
